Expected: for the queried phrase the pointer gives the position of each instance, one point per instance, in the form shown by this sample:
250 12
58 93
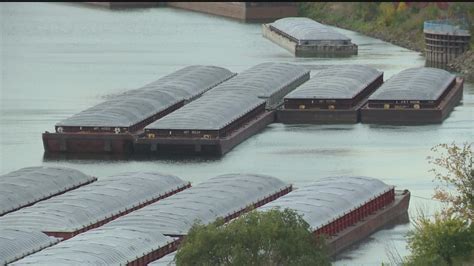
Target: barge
345 209
333 95
89 207
304 37
30 185
110 127
154 231
226 115
420 95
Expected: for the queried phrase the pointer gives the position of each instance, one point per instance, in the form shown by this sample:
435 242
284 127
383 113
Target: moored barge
110 127
345 209
94 205
304 37
420 95
155 230
226 115
333 95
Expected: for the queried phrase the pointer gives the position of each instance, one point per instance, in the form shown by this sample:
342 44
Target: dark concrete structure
444 41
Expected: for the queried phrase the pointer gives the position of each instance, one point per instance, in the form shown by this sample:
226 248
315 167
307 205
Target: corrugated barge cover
167 260
31 184
90 204
15 244
217 197
136 105
327 199
100 247
232 99
420 83
305 29
338 82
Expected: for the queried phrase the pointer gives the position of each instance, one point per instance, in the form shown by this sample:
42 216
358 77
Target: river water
58 59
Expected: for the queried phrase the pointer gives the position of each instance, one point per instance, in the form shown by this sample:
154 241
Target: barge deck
226 115
110 127
304 37
428 101
333 95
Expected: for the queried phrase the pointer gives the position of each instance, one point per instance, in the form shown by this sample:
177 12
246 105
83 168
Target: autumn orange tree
457 177
448 238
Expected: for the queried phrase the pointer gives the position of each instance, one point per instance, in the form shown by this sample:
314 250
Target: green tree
448 239
444 241
457 176
257 238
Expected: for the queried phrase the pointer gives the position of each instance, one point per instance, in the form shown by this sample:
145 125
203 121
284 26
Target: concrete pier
444 41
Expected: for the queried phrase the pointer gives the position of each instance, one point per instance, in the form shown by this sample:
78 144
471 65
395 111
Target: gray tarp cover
136 105
140 232
232 99
90 204
419 83
15 243
329 198
305 29
337 82
28 185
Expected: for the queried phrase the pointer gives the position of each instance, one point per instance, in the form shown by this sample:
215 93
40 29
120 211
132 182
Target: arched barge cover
420 84
28 185
137 105
233 99
99 247
325 200
16 244
337 82
307 30
85 206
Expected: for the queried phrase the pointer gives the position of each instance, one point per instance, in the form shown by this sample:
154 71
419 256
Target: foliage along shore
399 23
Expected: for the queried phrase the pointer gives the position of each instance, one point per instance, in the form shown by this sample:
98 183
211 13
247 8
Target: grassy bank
394 22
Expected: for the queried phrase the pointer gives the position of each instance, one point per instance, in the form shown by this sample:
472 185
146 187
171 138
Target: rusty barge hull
289 116
87 143
388 215
218 146
415 116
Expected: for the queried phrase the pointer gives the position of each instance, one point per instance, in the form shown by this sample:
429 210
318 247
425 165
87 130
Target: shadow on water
327 152
54 157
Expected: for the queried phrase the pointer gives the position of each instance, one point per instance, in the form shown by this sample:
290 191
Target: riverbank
397 23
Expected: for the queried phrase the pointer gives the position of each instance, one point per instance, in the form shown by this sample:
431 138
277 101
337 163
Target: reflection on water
59 59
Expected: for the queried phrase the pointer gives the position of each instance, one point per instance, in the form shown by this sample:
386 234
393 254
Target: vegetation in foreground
257 238
448 238
284 238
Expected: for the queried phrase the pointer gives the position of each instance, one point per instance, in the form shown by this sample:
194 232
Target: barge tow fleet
110 126
333 95
226 115
345 209
150 233
421 95
305 37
